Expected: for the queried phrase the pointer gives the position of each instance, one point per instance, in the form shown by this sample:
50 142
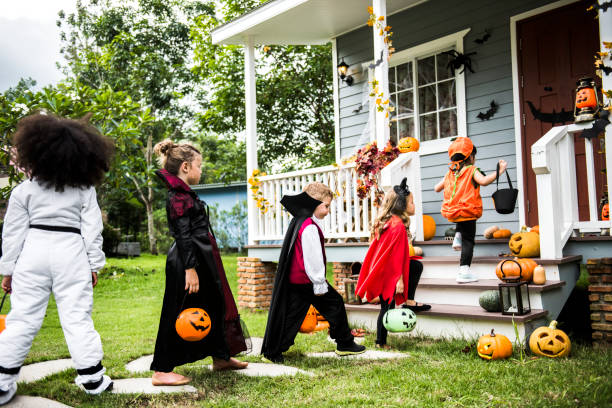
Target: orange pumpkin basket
3 317
192 324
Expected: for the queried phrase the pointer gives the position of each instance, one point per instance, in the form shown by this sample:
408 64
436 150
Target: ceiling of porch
300 22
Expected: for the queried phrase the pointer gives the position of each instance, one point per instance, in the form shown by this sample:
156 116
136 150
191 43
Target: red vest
297 272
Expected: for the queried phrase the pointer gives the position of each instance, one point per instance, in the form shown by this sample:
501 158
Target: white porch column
251 131
381 72
605 34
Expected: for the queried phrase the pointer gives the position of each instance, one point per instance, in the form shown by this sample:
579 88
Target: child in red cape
388 271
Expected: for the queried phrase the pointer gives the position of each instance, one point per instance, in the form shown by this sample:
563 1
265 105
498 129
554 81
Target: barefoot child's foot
231 364
160 378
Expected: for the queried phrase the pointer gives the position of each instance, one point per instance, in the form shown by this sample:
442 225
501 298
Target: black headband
402 190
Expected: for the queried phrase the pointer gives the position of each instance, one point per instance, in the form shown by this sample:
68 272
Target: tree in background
294 93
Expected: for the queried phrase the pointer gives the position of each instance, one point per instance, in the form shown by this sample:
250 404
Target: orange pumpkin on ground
408 144
494 346
193 324
502 234
429 227
525 244
310 321
548 341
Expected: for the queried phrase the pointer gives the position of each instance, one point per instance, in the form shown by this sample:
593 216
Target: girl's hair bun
162 148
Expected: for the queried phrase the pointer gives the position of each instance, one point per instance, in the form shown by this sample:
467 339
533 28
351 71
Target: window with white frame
429 102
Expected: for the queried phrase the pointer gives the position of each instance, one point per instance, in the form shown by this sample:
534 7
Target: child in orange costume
462 202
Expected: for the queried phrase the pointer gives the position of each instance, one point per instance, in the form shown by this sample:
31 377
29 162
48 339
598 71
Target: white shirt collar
317 221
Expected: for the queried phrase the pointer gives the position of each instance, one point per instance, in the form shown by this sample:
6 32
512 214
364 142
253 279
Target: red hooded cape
387 260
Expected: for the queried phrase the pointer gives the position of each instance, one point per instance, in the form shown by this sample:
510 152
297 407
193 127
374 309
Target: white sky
29 40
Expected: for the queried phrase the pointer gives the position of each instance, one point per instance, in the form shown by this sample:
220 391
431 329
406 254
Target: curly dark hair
60 152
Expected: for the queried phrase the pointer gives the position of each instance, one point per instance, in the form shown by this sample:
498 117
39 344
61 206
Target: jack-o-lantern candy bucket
2 317
193 324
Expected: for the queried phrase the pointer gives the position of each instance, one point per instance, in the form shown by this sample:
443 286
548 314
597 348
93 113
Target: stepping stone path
140 365
23 401
368 355
269 370
37 371
144 386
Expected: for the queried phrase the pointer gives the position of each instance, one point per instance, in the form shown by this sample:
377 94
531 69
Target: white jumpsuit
44 262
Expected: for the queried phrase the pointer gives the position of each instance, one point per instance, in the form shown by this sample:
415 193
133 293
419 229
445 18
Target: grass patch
435 373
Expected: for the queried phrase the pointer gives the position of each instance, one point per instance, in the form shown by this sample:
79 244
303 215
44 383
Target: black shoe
274 359
417 308
350 349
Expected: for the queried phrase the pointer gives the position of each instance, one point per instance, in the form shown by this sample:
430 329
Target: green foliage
223 160
230 227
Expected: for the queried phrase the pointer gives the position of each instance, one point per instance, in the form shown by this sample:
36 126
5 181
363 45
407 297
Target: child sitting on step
388 272
52 243
462 202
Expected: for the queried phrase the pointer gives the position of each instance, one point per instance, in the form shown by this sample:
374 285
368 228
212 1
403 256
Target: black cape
302 207
194 247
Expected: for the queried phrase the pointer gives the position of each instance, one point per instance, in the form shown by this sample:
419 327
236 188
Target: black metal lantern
342 73
514 297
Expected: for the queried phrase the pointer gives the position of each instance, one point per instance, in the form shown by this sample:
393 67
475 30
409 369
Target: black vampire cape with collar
302 207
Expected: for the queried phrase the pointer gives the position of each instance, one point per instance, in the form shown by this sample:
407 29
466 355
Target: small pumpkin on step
488 233
539 275
502 234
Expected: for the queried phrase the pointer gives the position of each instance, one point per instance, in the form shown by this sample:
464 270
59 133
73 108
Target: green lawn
436 373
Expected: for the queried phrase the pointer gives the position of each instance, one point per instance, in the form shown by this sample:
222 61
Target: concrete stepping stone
37 371
368 355
24 401
256 346
269 370
144 386
140 365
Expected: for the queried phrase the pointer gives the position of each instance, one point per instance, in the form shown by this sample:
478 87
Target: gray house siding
492 80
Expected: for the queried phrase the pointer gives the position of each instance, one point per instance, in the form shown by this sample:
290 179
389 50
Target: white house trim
516 98
251 129
336 97
433 47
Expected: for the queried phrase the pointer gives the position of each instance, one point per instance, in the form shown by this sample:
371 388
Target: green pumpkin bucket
399 320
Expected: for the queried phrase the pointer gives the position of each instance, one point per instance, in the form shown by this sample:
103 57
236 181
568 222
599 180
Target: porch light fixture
587 100
342 70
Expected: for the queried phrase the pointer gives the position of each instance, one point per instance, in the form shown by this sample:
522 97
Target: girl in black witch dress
194 275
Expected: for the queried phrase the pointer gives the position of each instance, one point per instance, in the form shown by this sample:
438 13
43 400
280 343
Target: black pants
330 305
416 269
468 233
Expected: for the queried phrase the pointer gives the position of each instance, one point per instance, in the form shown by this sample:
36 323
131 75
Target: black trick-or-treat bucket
505 199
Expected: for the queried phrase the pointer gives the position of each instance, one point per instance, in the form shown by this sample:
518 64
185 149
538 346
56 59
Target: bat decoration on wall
598 126
603 6
484 38
358 109
604 69
488 114
554 117
377 62
459 60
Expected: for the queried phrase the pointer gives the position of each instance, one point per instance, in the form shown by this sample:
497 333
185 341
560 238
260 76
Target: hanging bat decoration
377 62
603 6
358 109
598 126
604 69
459 60
488 114
554 117
484 38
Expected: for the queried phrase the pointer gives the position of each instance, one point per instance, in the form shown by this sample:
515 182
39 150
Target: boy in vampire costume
300 278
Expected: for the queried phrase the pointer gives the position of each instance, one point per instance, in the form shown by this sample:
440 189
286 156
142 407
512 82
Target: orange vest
462 201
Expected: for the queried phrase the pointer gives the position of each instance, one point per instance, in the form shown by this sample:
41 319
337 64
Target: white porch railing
553 161
350 216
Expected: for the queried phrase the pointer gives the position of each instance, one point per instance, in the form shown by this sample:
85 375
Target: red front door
555 50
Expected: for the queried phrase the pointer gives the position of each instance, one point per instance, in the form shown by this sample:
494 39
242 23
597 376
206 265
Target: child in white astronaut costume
52 243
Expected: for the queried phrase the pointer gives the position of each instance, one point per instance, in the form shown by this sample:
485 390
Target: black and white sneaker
98 387
7 396
351 349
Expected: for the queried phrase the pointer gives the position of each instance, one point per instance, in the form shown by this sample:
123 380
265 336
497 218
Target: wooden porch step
458 312
450 241
482 284
496 259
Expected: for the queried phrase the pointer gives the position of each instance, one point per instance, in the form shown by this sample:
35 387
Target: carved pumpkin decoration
586 98
605 212
429 227
535 228
525 244
494 346
193 324
550 341
408 144
310 321
321 325
539 275
399 320
509 269
502 234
